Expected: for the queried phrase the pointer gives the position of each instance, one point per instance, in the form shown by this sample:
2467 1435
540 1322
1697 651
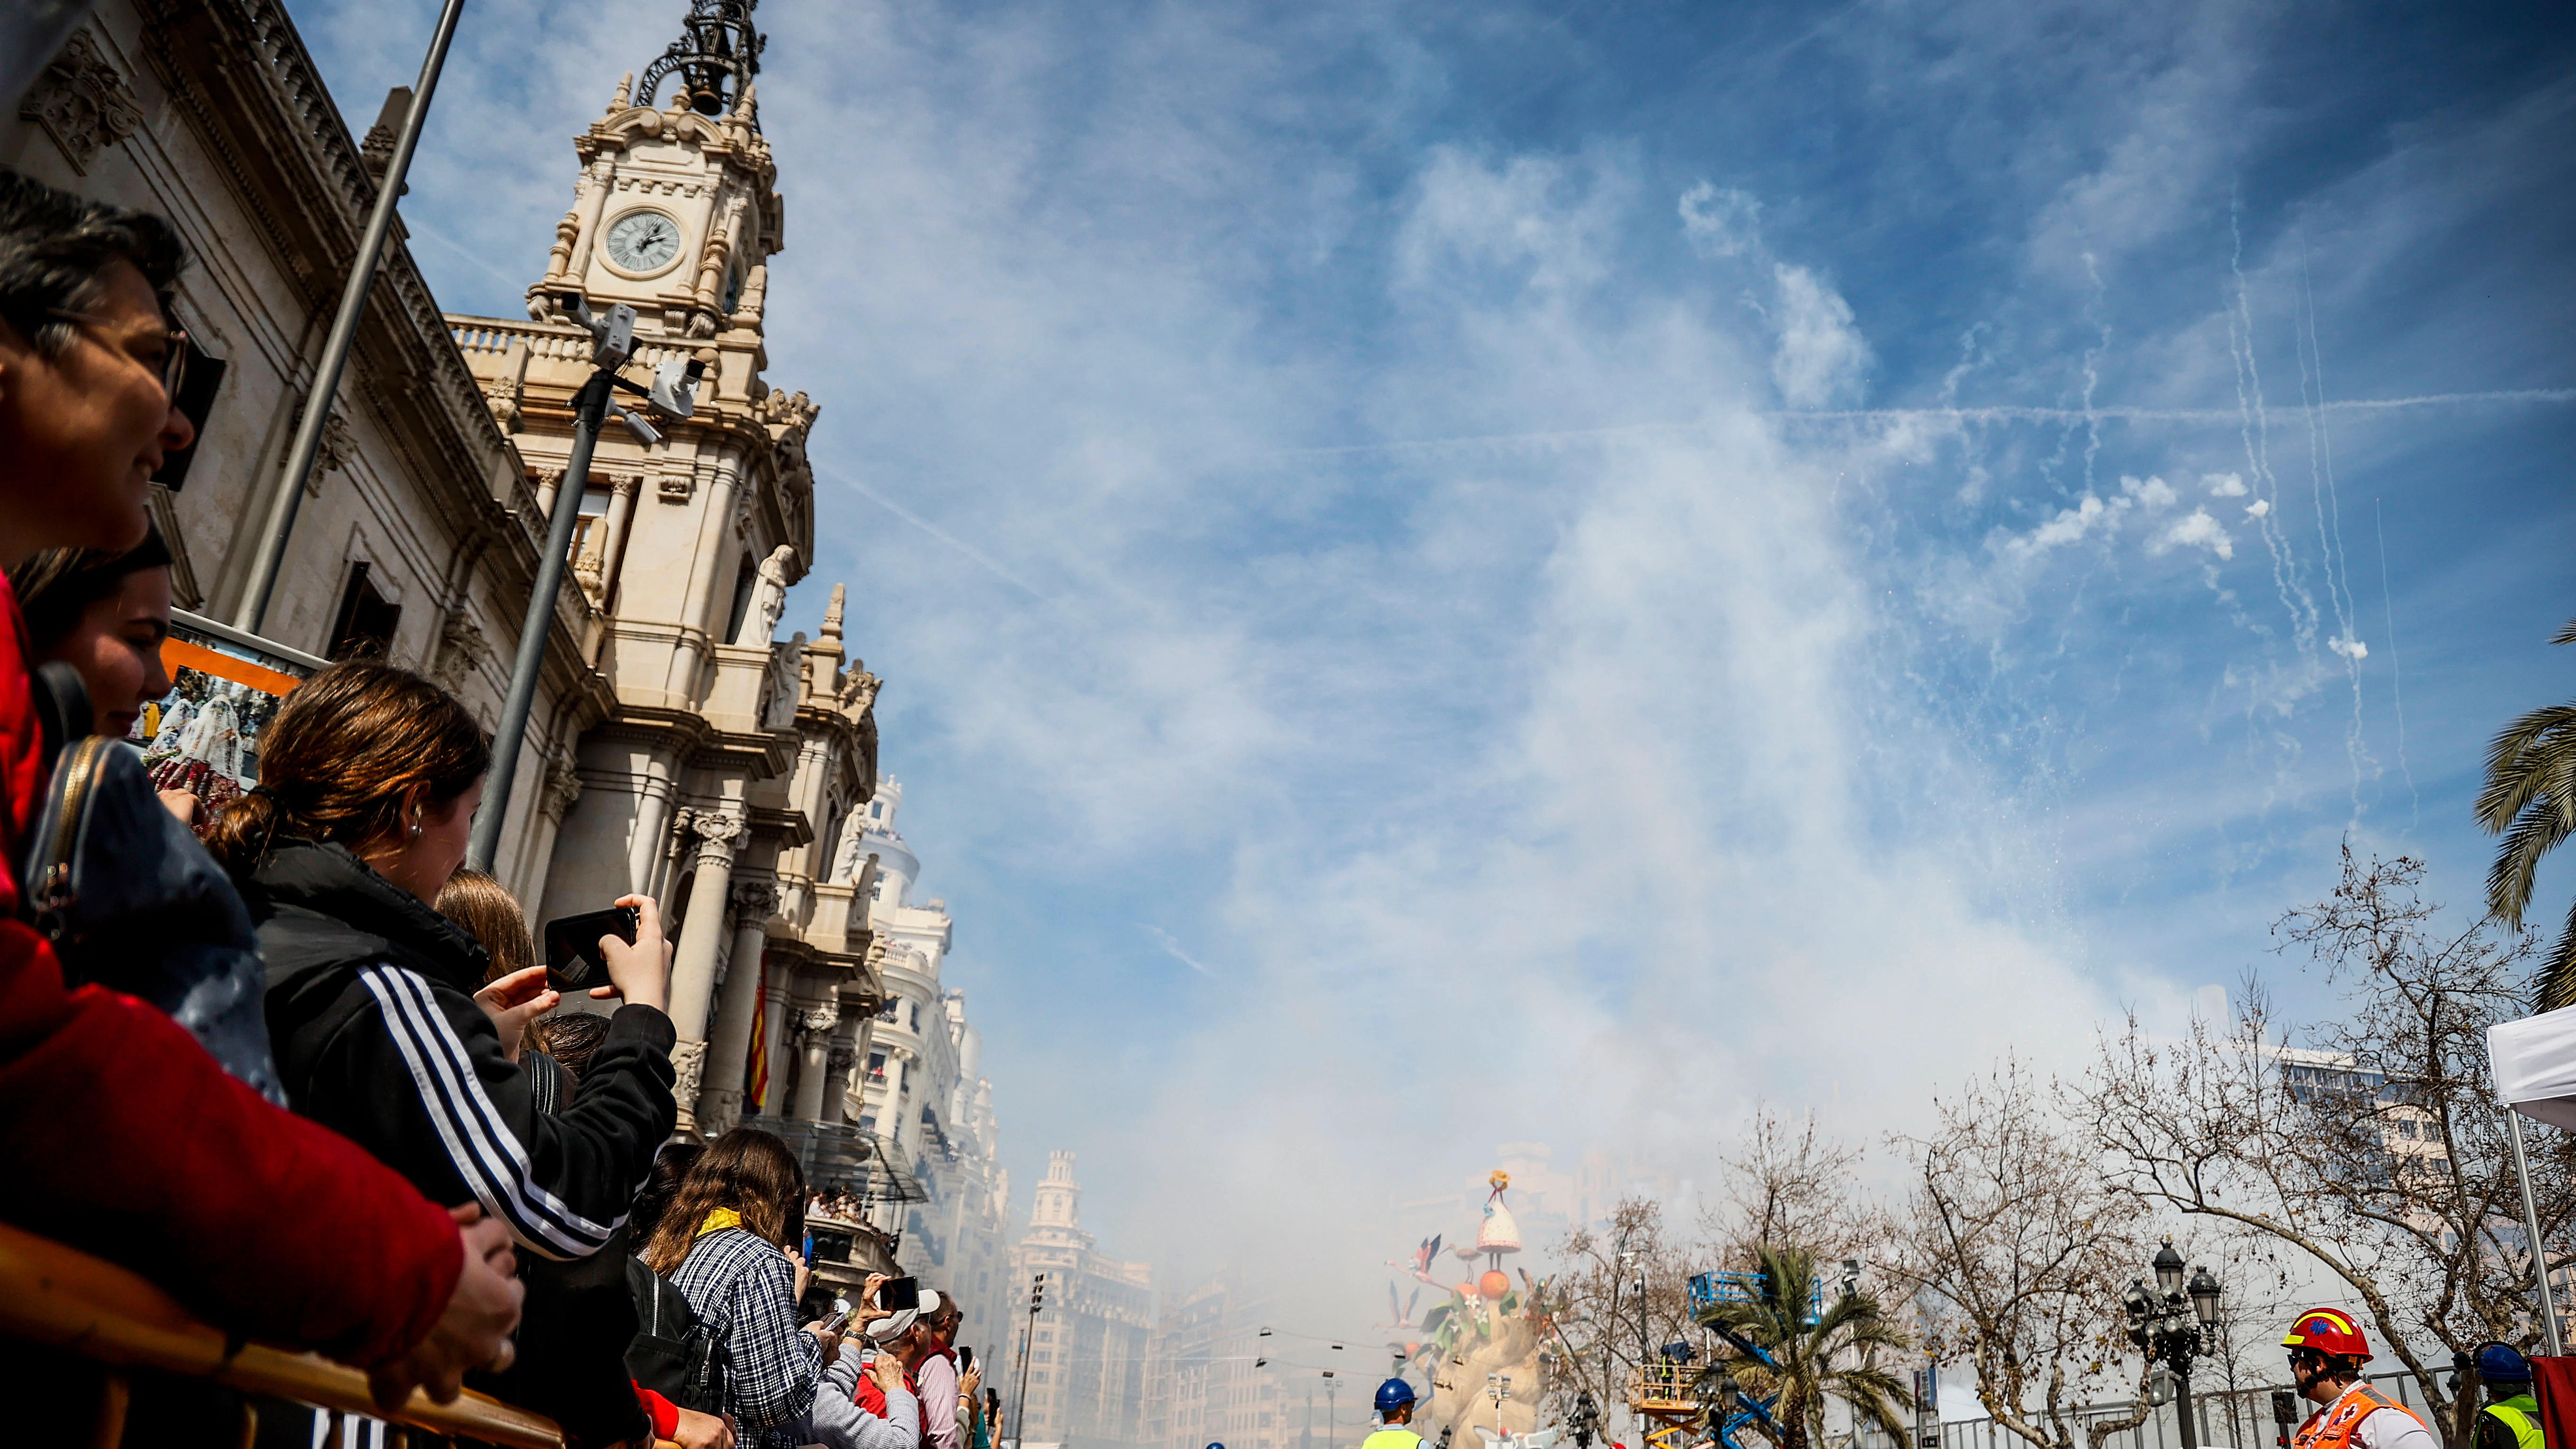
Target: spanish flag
756 1094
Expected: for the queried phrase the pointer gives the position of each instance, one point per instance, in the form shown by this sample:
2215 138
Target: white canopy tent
2534 1061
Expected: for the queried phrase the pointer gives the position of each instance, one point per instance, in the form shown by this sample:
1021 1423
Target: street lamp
2173 1322
1585 1421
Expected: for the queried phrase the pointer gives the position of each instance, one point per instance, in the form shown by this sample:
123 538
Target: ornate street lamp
2174 1322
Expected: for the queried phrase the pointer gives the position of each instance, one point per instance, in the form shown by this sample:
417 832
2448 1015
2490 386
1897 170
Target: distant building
920 1095
1088 1349
1211 1381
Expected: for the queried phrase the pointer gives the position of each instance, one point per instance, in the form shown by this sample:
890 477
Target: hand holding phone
575 960
898 1294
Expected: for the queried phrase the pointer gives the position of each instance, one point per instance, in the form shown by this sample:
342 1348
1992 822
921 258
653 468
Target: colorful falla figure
1498 1235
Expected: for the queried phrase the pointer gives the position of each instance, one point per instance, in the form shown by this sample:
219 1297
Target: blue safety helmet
2499 1364
1394 1394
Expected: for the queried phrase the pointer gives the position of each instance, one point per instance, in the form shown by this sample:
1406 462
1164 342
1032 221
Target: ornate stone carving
716 831
338 446
623 100
753 901
678 485
688 1064
858 691
82 102
768 597
562 788
786 681
461 651
817 1020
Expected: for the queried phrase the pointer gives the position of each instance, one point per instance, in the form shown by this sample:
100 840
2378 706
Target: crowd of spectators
471 1181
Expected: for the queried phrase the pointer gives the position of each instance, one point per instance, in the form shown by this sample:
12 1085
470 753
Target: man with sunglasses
2327 1350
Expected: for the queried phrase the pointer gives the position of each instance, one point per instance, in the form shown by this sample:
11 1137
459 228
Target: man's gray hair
54 245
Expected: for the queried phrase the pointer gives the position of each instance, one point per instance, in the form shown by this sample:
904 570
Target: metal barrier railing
2222 1419
65 1299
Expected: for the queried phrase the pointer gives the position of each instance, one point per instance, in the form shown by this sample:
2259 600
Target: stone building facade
678 746
1088 1358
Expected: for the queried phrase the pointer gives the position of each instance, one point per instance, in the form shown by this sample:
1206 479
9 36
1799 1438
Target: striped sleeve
491 1159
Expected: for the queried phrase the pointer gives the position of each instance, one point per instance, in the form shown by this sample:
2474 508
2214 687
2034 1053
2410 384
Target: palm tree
2530 799
1836 1355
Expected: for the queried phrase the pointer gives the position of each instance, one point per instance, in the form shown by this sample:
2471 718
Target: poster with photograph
203 736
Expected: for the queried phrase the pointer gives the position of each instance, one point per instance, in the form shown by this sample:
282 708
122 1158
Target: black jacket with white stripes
371 1009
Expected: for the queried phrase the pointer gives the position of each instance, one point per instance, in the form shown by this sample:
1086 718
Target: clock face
644 241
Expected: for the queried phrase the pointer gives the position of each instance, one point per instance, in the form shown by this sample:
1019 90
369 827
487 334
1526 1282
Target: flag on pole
758 1091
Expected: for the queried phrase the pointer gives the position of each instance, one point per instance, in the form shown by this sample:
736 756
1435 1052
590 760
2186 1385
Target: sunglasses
174 362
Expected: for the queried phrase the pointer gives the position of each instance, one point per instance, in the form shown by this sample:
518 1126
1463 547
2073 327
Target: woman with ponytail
368 781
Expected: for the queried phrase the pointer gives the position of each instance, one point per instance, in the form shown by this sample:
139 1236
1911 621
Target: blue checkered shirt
744 1289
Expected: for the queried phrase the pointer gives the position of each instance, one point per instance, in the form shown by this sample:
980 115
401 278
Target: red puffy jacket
121 1137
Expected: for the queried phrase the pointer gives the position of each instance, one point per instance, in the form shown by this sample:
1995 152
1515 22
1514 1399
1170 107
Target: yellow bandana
720 1218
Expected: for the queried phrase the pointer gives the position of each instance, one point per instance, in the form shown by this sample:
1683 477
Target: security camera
572 304
643 431
616 337
675 383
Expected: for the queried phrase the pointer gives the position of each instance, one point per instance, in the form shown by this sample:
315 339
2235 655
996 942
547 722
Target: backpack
674 1353
129 898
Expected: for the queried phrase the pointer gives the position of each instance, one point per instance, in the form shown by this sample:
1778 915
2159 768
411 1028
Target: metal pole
1019 1425
344 331
2182 1397
589 408
2531 1225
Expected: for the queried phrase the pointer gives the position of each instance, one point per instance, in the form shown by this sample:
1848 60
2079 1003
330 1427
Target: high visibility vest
2334 1426
1395 1436
2520 1414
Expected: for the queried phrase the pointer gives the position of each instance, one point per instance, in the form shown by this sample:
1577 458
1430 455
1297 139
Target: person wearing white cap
870 1406
934 1367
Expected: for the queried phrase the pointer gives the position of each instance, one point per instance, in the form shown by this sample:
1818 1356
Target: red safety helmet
2328 1331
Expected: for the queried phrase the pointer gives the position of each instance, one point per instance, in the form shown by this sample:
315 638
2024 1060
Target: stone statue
768 597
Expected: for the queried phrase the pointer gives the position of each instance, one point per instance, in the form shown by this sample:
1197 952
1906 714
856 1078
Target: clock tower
677 211
705 760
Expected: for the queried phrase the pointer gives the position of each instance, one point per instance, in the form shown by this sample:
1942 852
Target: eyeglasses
174 363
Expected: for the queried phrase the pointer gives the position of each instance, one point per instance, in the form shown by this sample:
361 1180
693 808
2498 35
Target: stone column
693 971
817 1023
729 1039
714 553
621 517
889 1107
847 1051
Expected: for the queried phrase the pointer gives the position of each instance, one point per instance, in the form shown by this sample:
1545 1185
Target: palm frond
2566 635
2525 758
2557 975
2542 827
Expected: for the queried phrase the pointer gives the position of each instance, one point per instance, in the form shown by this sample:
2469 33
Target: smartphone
809 1249
895 1295
965 1360
573 962
840 1316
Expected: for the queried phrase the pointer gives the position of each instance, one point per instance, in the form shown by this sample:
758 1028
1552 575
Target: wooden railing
53 1295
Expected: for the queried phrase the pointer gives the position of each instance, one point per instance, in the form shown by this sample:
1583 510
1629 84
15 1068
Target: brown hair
572 1038
57 586
747 1170
491 915
344 750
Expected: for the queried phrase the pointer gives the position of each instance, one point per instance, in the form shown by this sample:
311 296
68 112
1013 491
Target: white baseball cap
930 1301
888 1329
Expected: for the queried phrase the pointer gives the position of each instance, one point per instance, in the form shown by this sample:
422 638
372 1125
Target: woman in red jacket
119 1134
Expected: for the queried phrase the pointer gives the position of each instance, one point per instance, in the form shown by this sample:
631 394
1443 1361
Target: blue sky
1453 573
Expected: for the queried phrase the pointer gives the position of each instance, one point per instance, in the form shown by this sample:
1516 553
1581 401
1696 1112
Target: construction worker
2511 1419
1395 1410
2327 1351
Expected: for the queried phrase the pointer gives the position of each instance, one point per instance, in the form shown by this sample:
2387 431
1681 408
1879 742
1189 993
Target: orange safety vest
2334 1426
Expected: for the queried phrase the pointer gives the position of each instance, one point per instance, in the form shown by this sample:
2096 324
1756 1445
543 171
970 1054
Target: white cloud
2258 508
1821 358
2197 530
2225 485
1719 223
2151 493
2355 650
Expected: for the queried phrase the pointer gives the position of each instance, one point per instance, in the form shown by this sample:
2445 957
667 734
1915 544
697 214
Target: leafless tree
1786 1188
2372 1144
2016 1251
1599 1314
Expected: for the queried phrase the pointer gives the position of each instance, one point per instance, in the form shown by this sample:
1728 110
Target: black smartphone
965 1358
573 962
895 1295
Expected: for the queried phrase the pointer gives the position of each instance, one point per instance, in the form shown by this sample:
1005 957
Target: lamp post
2173 1322
1037 1300
1585 1421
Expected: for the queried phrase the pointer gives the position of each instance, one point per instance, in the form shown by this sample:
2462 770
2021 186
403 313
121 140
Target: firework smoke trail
2092 370
2321 489
2396 691
2255 428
